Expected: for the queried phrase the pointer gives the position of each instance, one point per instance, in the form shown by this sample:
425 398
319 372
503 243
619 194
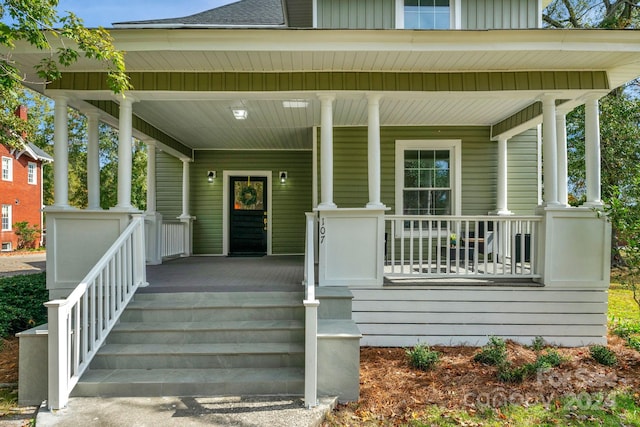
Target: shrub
538 344
494 353
511 374
603 355
549 359
422 357
21 304
26 235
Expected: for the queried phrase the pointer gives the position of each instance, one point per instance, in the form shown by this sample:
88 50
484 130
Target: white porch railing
79 324
311 317
461 246
173 238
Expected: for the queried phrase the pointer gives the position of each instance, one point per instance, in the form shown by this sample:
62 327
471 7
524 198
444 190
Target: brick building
20 188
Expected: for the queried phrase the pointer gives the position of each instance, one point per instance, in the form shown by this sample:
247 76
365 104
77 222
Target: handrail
480 246
80 323
311 316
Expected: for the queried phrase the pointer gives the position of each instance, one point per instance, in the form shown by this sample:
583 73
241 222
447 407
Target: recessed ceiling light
295 103
240 113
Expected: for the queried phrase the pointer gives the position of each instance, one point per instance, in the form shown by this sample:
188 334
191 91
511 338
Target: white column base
372 205
594 204
327 205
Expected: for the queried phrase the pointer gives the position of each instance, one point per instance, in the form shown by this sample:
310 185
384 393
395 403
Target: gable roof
244 13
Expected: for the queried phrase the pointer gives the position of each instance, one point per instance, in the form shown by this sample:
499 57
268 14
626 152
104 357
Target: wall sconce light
283 176
211 175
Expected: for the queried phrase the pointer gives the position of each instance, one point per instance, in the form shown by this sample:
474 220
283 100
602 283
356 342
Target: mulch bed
9 361
393 391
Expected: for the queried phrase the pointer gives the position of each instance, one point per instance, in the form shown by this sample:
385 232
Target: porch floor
227 274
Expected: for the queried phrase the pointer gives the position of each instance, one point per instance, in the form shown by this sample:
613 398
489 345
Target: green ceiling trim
341 81
529 113
113 109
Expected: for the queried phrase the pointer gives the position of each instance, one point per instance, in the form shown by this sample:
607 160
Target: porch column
185 218
502 207
185 188
61 153
549 151
125 154
326 150
151 176
561 129
93 160
373 149
592 151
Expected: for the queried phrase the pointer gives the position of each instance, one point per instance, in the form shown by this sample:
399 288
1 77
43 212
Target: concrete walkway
27 263
274 411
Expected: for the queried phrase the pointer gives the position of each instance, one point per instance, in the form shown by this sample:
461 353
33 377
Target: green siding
479 166
168 185
290 200
356 14
494 81
522 166
499 14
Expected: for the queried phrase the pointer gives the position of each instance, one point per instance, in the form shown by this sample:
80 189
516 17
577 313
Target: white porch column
373 149
592 151
326 151
501 205
125 154
561 129
61 153
549 151
151 176
93 160
185 188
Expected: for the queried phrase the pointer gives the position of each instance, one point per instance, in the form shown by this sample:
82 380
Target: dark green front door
248 216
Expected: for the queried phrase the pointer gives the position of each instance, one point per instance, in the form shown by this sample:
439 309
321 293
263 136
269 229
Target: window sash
6 217
32 176
7 173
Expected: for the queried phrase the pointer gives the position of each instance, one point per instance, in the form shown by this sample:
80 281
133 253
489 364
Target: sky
103 13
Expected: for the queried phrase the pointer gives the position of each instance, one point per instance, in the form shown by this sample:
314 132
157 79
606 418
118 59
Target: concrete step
261 331
166 356
191 382
335 302
185 312
222 298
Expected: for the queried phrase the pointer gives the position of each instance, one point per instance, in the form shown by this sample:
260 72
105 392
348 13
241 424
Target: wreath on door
248 196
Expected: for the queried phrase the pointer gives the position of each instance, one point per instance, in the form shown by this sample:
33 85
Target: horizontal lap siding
168 185
403 317
289 201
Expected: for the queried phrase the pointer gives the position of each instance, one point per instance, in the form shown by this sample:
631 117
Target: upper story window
32 173
427 14
6 217
428 177
7 169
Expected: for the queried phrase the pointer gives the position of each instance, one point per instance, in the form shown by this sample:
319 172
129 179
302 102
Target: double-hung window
428 177
427 14
32 173
6 217
7 169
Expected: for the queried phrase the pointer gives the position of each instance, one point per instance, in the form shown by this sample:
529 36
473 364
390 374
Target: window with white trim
428 177
428 14
6 246
7 169
6 217
32 173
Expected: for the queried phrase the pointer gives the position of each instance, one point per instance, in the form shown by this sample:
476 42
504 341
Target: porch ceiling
204 120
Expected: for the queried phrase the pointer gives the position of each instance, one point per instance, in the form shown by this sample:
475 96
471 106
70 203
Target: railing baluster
393 246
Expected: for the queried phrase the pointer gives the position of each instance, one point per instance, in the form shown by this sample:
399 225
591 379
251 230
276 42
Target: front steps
225 343
186 344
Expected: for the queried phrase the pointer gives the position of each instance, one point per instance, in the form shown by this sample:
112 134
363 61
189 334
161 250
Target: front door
248 216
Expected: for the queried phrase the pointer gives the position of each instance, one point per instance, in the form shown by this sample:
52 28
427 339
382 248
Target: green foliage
21 305
549 359
494 353
603 355
538 344
517 374
27 235
422 357
37 23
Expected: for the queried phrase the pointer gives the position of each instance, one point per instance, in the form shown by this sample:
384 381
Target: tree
37 23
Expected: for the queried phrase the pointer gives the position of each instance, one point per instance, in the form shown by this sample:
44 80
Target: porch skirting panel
393 317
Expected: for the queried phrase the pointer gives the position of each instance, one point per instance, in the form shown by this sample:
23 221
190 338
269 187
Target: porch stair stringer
204 343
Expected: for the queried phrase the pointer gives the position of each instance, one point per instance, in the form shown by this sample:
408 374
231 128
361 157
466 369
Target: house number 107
323 231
